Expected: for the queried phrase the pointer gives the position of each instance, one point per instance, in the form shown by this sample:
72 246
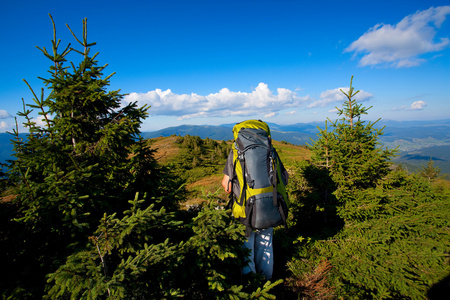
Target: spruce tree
395 236
83 157
142 256
126 258
72 232
352 153
429 171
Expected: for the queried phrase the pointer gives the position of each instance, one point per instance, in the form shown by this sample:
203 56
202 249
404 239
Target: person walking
266 168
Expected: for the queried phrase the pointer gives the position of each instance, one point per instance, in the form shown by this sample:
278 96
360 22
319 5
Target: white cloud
331 97
4 114
417 105
401 45
271 115
222 104
3 125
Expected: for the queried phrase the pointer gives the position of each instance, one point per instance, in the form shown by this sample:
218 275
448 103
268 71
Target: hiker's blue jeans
261 256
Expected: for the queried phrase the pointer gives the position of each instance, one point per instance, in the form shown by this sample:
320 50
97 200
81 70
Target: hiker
237 172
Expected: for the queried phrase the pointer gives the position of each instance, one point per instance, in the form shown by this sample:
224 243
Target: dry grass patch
208 185
7 198
290 154
166 148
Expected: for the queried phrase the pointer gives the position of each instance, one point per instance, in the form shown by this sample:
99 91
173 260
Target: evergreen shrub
394 238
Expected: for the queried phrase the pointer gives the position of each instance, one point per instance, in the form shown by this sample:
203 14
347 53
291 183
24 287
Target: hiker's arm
226 183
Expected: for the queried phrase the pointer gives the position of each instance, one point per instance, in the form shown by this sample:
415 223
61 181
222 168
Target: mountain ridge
408 135
418 141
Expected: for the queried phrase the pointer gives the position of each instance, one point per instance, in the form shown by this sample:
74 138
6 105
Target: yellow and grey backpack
259 199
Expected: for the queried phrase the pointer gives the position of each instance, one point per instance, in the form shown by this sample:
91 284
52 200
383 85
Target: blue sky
215 62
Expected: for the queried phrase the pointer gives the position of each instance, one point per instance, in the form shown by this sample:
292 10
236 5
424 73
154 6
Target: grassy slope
290 154
167 151
166 147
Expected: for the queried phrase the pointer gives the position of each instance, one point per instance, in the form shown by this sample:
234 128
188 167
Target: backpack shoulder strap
243 193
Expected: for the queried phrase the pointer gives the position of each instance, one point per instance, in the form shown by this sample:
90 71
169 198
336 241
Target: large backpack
259 199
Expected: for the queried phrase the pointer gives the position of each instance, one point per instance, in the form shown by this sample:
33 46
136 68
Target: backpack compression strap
247 222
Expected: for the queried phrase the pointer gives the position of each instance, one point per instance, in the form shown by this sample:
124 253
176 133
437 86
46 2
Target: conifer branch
105 270
40 104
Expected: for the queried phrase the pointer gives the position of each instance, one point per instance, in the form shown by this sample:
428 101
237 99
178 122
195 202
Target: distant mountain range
418 141
408 135
297 134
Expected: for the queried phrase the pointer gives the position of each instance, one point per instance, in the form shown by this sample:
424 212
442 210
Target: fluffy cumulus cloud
335 96
4 114
417 105
401 45
225 103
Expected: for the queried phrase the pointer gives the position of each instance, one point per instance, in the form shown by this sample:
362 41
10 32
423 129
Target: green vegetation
91 210
429 171
70 229
199 158
383 234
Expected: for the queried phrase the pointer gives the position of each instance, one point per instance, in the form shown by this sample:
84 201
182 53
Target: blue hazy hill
418 141
6 146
